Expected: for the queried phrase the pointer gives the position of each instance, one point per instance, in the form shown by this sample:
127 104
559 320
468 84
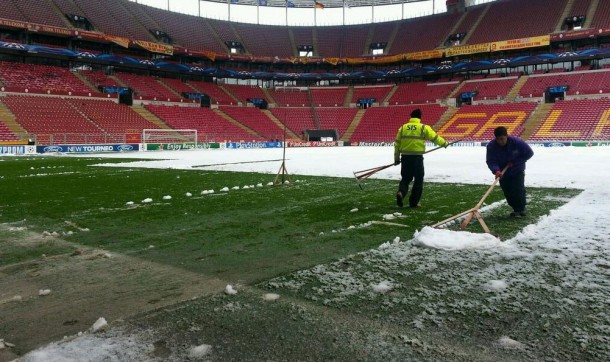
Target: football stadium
217 180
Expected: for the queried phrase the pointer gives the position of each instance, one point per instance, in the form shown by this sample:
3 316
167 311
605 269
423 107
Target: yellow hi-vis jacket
411 139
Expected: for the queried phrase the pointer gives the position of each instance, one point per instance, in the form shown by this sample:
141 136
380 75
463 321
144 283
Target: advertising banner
591 144
124 42
87 148
17 150
155 47
531 42
426 54
468 49
181 146
234 145
313 144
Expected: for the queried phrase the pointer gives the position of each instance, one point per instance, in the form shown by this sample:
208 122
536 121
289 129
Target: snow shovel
474 212
363 174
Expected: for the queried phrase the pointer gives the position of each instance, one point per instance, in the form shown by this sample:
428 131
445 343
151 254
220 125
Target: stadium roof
314 3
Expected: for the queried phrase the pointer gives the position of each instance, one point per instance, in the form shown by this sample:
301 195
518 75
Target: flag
318 5
290 4
234 1
262 2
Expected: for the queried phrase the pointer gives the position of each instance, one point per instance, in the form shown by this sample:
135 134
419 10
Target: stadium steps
174 92
476 24
236 123
71 102
392 37
538 115
10 120
137 20
348 96
456 90
293 43
118 81
150 117
268 96
61 15
388 96
514 92
454 29
449 113
352 127
591 13
84 79
237 101
566 12
369 40
274 119
314 39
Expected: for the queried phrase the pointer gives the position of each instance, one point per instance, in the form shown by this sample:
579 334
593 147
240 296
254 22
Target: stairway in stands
538 116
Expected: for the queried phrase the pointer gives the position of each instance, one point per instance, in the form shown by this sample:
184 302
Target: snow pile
224 189
200 351
454 240
269 297
129 203
495 285
230 290
383 287
509 343
147 200
43 292
354 210
188 194
99 325
167 197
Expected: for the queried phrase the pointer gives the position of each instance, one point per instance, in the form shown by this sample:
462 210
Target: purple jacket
515 151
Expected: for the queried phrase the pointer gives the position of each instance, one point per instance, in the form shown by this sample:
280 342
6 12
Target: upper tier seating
476 123
112 17
291 97
328 97
424 33
585 119
146 87
578 83
218 95
245 92
421 92
513 19
489 89
255 120
379 93
601 19
41 77
210 126
380 124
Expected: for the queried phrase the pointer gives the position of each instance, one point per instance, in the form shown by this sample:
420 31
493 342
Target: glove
446 144
498 174
396 162
509 164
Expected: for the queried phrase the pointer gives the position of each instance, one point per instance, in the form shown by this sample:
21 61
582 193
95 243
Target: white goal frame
165 136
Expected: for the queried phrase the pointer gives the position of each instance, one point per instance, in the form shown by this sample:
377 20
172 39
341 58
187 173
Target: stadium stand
379 93
593 82
244 92
421 92
255 120
291 97
601 19
210 126
488 88
506 19
477 122
424 33
218 95
296 119
328 97
19 76
6 134
381 124
336 118
265 39
147 87
586 119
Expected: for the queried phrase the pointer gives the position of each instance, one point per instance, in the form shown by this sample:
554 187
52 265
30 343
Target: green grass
249 234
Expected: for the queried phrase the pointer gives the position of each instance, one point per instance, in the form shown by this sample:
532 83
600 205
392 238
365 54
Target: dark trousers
412 168
513 186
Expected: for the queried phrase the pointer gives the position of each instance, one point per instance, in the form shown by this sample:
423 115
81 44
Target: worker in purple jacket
513 152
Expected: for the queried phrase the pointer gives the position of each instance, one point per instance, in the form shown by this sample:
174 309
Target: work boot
523 213
399 199
515 214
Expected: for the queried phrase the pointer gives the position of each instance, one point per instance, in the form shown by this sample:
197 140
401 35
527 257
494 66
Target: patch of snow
167 197
383 287
43 292
200 351
454 240
99 325
230 290
269 297
147 200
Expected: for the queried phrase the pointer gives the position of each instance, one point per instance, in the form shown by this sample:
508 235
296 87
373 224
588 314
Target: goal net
165 136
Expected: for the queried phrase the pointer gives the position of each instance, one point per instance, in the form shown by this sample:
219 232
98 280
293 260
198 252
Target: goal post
169 136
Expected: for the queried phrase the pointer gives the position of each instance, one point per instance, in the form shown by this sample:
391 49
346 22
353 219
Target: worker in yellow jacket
411 145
